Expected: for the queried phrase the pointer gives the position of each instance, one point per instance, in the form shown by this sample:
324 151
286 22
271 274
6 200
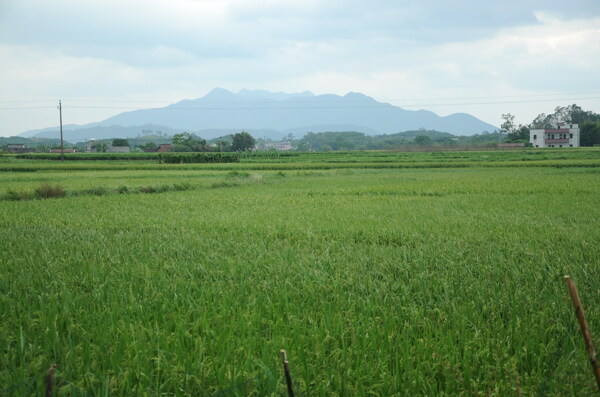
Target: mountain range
270 115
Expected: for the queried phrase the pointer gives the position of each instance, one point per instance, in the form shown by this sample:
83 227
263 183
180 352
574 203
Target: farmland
380 273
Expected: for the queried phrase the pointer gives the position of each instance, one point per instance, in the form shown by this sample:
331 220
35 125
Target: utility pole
62 146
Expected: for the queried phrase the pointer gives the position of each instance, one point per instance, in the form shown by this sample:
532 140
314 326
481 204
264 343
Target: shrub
17 195
148 189
46 191
238 174
182 186
97 191
122 189
218 185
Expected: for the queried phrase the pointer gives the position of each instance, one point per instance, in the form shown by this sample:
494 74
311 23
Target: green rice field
380 274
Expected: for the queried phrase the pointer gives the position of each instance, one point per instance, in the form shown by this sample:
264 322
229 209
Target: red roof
559 130
165 147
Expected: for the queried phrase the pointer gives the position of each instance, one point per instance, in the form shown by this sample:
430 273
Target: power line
26 107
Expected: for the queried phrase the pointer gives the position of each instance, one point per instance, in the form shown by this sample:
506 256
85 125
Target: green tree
242 141
223 145
423 140
189 142
521 134
120 142
99 146
571 114
590 133
446 141
579 116
43 148
508 126
149 145
184 139
541 121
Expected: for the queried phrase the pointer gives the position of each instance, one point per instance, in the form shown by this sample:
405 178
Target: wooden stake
50 379
587 336
286 369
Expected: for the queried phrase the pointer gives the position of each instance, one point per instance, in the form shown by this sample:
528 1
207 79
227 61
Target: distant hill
274 115
30 142
76 133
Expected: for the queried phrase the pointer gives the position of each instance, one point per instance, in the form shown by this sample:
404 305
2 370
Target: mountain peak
264 110
268 95
357 96
219 93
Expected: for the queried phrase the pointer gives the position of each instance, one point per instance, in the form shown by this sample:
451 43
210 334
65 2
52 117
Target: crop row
33 167
169 158
202 157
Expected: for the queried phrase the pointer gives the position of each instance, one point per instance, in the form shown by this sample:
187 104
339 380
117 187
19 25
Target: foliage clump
46 191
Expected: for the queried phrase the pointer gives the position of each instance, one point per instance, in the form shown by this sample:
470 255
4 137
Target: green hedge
90 156
167 158
202 157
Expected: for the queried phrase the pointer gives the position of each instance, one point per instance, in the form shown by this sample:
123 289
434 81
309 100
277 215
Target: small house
119 149
18 148
283 146
163 147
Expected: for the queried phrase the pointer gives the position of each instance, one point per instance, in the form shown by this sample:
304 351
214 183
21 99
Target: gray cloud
169 50
247 29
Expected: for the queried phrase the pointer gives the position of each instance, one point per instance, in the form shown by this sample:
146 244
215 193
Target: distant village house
560 135
282 146
63 150
163 147
89 146
18 148
119 149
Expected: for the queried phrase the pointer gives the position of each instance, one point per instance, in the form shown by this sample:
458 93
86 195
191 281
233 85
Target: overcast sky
480 57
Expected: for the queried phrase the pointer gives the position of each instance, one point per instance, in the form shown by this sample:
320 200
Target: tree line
422 138
189 142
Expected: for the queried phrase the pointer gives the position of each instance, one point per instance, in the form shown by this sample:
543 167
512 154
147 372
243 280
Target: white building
89 144
561 135
278 145
119 149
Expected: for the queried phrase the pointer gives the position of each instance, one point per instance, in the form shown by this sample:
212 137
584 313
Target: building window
570 135
534 136
570 145
559 145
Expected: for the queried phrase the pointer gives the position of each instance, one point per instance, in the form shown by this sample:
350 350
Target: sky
486 58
